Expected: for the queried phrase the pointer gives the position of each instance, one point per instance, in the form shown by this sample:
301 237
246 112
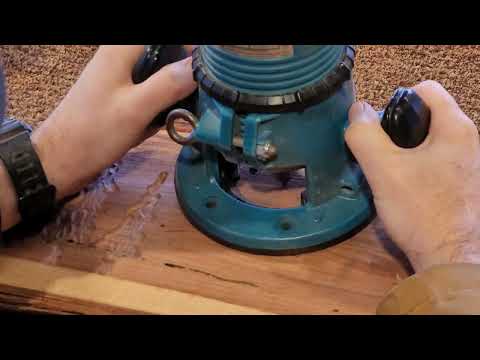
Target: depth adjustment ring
293 102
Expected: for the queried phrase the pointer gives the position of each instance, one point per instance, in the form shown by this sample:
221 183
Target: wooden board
125 247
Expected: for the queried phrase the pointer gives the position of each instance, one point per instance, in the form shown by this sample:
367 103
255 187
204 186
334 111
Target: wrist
458 252
51 156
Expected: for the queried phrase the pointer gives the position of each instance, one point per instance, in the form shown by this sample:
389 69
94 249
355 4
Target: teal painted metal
272 76
338 199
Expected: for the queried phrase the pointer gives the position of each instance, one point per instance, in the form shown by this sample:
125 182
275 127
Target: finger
445 112
127 55
115 63
366 138
435 95
171 84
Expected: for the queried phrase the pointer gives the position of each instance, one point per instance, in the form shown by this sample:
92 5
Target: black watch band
36 197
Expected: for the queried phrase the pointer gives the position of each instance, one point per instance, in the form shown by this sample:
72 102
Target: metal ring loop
183 115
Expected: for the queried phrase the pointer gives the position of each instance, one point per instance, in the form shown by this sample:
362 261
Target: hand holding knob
406 119
154 58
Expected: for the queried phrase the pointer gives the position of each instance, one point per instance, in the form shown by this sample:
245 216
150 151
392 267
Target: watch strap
36 197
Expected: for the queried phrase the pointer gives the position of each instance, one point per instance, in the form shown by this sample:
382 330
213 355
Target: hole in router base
285 225
275 191
211 203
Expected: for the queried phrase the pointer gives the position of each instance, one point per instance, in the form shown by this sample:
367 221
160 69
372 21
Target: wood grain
38 302
125 244
82 288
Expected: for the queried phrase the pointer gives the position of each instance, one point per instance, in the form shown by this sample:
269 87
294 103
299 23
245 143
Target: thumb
366 138
168 86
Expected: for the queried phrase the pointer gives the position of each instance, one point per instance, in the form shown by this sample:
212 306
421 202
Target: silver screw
266 152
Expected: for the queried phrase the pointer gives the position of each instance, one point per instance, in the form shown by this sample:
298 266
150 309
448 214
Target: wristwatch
35 196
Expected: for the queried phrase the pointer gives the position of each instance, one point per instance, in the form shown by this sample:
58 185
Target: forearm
61 157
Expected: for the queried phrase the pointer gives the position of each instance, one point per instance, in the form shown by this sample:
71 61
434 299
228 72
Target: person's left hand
104 115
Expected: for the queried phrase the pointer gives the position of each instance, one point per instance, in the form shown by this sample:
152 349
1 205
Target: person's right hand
428 197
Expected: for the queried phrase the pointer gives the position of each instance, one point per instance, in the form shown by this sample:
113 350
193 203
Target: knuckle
356 134
432 85
351 133
431 89
464 131
435 95
169 72
175 89
468 129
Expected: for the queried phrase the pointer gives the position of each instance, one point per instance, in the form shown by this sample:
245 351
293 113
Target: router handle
154 58
406 119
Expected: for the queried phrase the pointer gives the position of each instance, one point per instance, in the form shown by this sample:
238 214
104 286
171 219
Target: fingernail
363 112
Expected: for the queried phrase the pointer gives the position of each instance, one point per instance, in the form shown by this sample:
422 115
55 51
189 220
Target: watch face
2 94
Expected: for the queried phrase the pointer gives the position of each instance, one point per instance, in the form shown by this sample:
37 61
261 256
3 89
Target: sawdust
39 76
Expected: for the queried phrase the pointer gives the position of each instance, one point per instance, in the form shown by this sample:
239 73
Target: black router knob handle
154 58
406 119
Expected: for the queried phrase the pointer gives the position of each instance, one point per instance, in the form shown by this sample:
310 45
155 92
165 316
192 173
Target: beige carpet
39 76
